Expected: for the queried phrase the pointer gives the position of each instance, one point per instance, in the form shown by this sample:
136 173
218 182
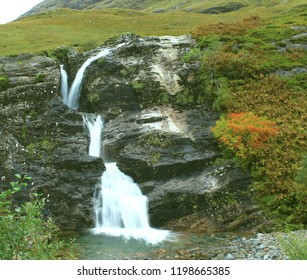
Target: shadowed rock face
168 150
44 139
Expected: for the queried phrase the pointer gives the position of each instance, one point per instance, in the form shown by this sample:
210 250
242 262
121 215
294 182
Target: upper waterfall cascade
120 209
71 96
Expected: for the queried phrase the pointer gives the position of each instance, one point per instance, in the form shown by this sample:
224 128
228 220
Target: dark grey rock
44 139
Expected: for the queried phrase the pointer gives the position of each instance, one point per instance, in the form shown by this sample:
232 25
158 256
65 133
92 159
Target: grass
51 29
294 246
68 27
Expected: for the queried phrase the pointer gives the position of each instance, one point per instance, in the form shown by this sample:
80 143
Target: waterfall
120 203
71 97
94 125
64 83
120 208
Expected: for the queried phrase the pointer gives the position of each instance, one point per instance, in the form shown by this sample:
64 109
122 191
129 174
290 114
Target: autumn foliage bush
245 134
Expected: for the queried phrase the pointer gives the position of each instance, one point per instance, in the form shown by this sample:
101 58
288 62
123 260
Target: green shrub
40 78
92 97
24 234
61 54
301 176
138 85
223 99
4 83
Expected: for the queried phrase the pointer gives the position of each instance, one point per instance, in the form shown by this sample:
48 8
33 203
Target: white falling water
120 208
121 203
73 95
64 83
94 125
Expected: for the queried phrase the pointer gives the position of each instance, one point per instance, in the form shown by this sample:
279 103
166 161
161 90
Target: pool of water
105 247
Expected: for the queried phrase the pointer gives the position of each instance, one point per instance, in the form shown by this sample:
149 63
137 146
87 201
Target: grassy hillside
89 28
254 73
202 6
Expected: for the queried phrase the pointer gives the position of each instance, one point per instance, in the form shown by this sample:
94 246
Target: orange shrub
245 134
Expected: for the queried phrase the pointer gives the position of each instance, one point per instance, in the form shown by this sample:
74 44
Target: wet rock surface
142 72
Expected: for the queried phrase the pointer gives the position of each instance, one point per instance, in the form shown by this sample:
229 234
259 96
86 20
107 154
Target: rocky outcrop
158 136
216 199
172 143
142 72
44 139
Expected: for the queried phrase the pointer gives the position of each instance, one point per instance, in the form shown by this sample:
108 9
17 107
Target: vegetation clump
227 29
4 83
294 245
245 134
24 233
40 78
61 54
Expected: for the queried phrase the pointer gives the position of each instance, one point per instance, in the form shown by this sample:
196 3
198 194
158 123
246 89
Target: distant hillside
157 6
50 26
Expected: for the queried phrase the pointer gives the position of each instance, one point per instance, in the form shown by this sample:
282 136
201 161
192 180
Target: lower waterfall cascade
120 209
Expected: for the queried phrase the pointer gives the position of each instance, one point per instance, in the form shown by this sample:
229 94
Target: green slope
89 28
147 5
203 6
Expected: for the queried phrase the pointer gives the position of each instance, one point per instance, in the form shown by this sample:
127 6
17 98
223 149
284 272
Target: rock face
43 138
141 73
140 89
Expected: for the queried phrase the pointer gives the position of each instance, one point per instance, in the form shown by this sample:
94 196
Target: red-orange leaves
244 133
